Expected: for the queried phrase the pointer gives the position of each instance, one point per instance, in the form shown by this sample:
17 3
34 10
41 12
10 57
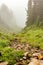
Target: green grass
7 53
5 39
32 36
10 55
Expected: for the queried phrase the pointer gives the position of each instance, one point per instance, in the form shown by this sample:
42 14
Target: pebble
24 58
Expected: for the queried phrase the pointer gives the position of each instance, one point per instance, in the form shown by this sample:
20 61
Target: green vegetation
7 53
10 55
5 39
32 36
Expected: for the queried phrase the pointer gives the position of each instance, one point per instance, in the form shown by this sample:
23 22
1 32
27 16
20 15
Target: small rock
24 58
4 63
25 54
21 59
38 55
35 54
34 62
28 61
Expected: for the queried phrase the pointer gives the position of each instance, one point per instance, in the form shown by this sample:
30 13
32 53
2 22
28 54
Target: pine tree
29 12
35 13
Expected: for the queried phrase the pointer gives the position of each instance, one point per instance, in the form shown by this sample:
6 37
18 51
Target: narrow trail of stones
32 55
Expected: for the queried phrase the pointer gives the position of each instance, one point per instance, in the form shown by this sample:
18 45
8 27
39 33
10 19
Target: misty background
17 10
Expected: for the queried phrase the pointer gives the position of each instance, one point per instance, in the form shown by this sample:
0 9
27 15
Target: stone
4 63
25 54
35 55
21 59
38 55
34 62
24 58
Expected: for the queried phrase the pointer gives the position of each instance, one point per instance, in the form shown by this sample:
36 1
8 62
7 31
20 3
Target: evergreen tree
35 13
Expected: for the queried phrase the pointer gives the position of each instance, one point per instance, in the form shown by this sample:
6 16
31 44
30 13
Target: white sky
18 7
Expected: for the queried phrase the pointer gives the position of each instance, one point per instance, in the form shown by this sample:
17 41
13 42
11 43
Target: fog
18 8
